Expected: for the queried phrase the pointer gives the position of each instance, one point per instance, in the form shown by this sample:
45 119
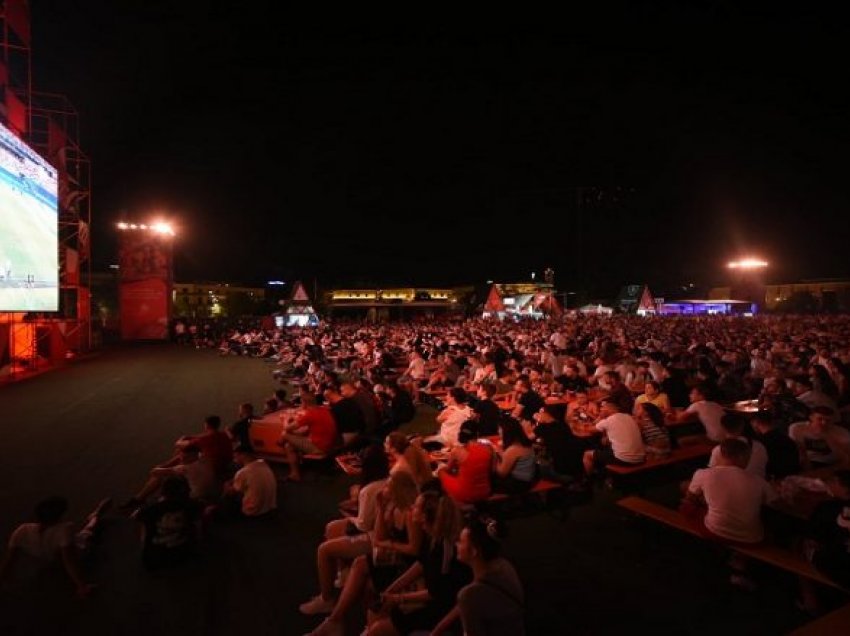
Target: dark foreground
94 429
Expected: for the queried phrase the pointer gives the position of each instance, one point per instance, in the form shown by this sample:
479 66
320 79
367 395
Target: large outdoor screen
29 269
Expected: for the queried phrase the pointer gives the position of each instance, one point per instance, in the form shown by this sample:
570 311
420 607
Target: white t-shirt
734 499
258 486
200 477
815 444
367 505
450 427
45 545
624 434
758 457
709 414
416 369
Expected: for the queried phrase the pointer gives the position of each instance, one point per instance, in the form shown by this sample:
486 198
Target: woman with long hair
395 543
408 457
516 466
348 538
436 567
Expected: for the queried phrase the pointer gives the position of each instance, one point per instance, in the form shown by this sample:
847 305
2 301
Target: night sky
420 155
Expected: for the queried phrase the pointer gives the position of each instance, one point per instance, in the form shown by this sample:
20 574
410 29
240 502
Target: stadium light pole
748 279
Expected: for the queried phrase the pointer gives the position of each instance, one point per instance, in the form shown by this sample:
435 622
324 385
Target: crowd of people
515 402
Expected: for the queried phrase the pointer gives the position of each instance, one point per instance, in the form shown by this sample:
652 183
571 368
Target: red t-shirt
321 426
217 448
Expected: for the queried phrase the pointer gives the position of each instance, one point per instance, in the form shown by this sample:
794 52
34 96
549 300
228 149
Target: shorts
605 455
303 444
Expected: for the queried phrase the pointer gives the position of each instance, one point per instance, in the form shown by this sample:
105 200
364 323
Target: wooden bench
679 455
541 487
836 622
773 555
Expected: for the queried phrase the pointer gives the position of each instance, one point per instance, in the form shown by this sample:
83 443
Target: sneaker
316 605
328 628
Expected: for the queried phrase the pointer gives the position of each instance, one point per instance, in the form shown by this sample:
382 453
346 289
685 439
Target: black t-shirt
783 457
348 416
576 383
169 531
489 415
564 449
444 578
241 432
531 402
402 409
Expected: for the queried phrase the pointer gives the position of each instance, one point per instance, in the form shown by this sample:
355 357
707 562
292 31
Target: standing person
494 603
170 527
50 540
240 430
625 444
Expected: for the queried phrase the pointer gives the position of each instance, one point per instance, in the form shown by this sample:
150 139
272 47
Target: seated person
171 526
196 471
311 432
583 409
783 457
728 497
487 412
619 392
240 430
516 464
270 406
704 411
653 394
571 381
562 448
216 447
528 401
733 428
451 418
653 430
406 456
253 491
466 478
494 603
50 540
398 409
821 442
623 441
828 538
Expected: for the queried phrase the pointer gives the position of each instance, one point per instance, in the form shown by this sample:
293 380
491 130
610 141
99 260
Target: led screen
29 268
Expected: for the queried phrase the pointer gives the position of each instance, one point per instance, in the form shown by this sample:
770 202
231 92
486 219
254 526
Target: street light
747 264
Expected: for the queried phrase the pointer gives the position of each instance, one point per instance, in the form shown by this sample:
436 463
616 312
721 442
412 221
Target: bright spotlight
162 228
748 263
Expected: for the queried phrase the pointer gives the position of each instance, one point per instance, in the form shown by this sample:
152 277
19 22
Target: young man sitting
733 428
253 491
313 432
820 441
625 444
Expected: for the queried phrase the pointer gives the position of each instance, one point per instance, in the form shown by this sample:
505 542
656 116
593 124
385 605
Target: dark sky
452 154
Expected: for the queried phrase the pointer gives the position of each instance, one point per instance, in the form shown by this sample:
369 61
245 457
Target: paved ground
93 430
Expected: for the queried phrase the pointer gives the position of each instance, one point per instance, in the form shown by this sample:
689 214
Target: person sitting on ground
467 476
216 447
487 412
623 441
240 430
733 427
365 401
727 500
437 568
828 538
253 492
399 408
281 400
528 401
312 432
396 541
50 539
783 457
516 465
820 442
171 526
270 406
196 471
562 449
494 603
704 411
351 537
408 457
451 418
653 394
653 430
